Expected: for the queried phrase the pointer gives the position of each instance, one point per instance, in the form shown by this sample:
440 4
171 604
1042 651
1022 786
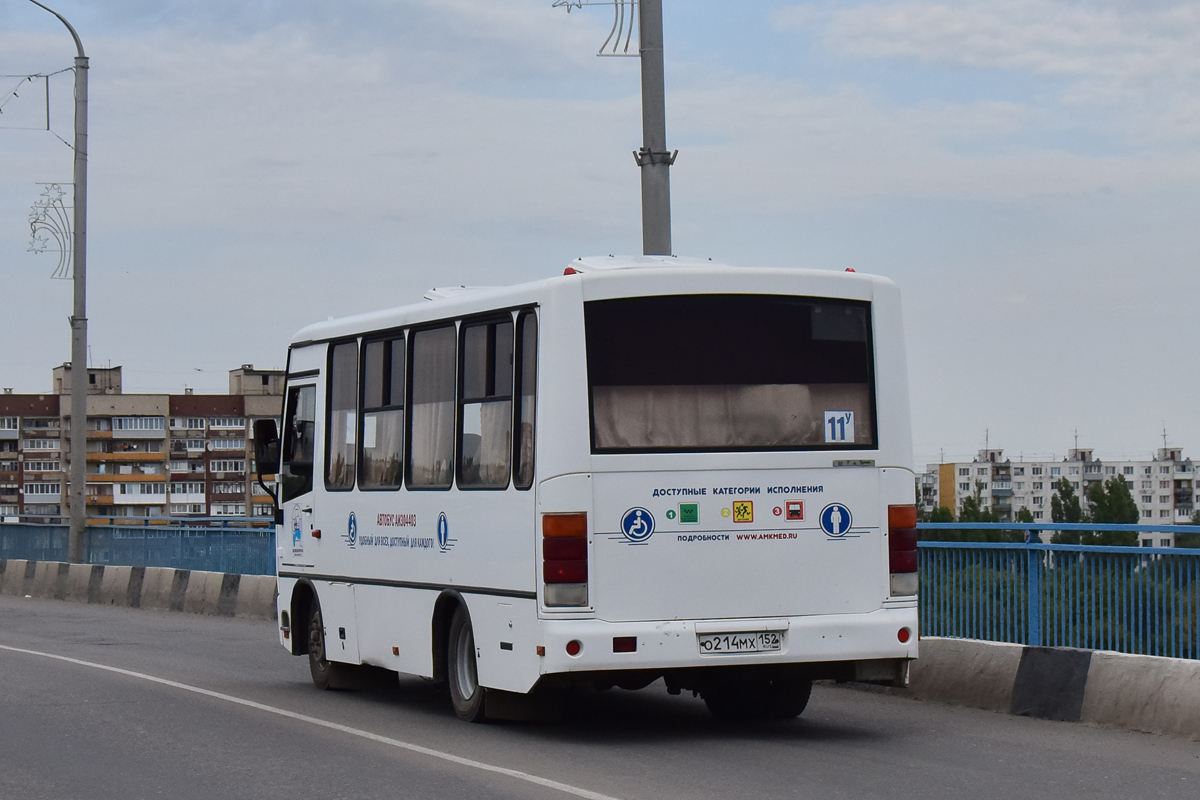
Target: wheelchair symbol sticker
637 525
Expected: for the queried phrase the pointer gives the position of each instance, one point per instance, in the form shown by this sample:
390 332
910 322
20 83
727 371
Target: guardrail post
1034 598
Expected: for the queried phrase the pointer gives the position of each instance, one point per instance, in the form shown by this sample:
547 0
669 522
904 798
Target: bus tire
778 698
325 674
465 692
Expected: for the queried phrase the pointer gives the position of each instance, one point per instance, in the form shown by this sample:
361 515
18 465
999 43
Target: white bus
645 468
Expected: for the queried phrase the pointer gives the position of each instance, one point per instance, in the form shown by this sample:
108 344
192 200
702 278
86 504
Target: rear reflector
565 559
564 526
574 647
903 635
902 550
564 571
902 516
624 644
564 549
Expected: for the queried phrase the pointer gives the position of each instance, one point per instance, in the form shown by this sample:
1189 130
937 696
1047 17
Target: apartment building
1163 487
148 455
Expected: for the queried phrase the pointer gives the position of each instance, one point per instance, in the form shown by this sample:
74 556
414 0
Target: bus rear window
730 372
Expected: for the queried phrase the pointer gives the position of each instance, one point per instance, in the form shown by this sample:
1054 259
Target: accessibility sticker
743 511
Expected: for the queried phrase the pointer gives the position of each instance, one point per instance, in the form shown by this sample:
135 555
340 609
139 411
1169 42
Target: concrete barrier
157 588
1141 693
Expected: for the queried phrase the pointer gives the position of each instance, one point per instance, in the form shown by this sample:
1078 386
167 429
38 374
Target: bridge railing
1143 600
247 551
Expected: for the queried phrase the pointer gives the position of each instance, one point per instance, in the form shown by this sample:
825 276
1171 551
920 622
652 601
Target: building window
1147 512
1035 470
229 488
964 472
229 509
143 488
1164 542
137 423
8 423
1018 470
1038 500
42 466
1020 486
187 508
1074 470
1147 471
1164 498
1147 498
187 488
1164 484
382 437
40 444
1165 470
1075 485
1110 470
228 444
1037 486
342 430
238 423
1164 513
964 487
1126 470
227 466
1055 471
43 489
1037 515
1147 484
981 471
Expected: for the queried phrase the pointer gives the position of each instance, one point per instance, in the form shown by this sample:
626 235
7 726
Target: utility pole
653 157
79 373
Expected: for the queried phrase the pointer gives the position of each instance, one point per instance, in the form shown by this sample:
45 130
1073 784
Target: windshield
729 372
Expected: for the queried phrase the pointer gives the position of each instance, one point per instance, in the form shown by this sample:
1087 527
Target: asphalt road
141 704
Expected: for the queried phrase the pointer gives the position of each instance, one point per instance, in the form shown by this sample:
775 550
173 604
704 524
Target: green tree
1111 502
1065 507
941 514
1024 515
1189 539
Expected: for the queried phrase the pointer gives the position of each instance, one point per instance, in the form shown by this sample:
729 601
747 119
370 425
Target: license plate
758 642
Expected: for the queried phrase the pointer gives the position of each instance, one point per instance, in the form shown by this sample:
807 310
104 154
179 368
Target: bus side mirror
266 445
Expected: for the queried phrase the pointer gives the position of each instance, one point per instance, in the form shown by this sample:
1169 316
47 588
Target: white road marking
374 737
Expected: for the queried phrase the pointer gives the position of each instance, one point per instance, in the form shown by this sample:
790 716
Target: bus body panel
379 560
738 544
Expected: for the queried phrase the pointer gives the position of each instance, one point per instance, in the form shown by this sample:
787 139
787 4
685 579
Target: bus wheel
326 674
780 698
465 692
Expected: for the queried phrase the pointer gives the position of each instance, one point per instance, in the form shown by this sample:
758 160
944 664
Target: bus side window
526 392
433 365
485 420
298 441
382 434
342 417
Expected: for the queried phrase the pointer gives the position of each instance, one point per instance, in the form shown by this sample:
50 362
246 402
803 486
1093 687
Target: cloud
1108 49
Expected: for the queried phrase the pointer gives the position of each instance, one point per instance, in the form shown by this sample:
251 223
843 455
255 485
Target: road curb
1140 693
157 588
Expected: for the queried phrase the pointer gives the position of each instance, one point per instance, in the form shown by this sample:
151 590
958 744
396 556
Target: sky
1026 171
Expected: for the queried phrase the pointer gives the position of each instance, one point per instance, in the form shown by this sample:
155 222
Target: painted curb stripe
374 737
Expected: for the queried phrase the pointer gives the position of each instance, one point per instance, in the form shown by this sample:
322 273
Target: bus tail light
565 559
902 549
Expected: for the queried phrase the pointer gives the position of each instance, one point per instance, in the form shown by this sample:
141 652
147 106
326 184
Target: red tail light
565 559
902 549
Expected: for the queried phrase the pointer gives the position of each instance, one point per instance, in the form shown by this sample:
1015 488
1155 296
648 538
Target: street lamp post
79 376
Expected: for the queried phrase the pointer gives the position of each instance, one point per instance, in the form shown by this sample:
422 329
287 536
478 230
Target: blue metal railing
1143 600
248 551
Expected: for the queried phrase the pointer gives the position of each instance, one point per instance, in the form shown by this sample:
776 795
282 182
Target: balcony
99 499
127 457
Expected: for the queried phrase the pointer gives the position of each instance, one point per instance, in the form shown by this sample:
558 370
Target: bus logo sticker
795 510
297 531
743 511
836 520
443 533
637 525
350 537
839 426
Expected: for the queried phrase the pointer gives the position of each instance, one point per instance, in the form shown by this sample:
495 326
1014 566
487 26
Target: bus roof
469 297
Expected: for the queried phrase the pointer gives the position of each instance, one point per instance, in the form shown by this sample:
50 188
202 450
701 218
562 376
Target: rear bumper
674 644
